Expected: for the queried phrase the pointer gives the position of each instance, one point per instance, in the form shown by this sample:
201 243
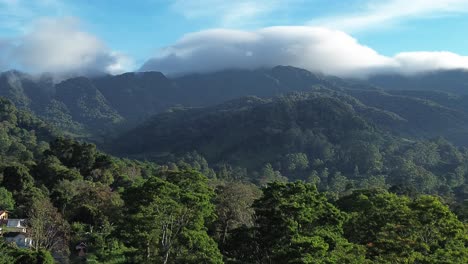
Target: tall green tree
16 178
295 224
396 229
166 220
6 200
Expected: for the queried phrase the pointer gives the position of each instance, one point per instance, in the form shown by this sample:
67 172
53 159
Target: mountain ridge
107 105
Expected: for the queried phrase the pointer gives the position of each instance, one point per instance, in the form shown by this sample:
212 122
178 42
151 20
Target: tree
16 178
47 228
409 174
313 178
74 154
102 246
364 155
296 161
396 229
23 256
234 207
337 185
307 229
270 175
167 219
5 141
50 171
5 253
87 202
18 181
6 200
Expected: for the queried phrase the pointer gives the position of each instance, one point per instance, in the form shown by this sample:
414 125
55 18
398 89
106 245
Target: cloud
229 13
414 62
314 48
377 13
60 46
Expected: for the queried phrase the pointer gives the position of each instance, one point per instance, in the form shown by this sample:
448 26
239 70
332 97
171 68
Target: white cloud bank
60 46
313 48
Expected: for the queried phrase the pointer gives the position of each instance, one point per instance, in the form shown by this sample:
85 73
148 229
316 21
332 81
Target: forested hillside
332 141
99 107
311 169
100 104
132 212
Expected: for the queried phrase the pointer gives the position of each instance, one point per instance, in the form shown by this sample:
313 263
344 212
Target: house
3 217
16 225
14 231
19 238
3 214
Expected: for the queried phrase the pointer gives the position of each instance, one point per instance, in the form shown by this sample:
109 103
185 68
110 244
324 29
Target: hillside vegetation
267 166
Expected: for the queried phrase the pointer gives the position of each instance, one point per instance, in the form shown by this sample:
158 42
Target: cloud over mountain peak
314 48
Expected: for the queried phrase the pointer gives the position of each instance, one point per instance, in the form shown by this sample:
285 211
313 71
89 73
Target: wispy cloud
230 13
377 13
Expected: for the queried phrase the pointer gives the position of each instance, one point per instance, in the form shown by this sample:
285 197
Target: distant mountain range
434 104
453 81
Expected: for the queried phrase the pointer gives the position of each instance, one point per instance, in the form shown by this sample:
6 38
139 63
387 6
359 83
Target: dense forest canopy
308 169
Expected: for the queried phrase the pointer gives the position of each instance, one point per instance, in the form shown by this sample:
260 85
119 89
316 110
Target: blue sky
136 31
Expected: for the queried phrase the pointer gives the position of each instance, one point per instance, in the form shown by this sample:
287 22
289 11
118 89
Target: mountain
425 116
229 84
92 106
71 193
86 104
452 81
250 125
361 154
24 90
425 106
137 96
326 137
399 115
23 136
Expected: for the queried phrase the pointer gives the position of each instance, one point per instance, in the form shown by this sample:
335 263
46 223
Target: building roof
16 222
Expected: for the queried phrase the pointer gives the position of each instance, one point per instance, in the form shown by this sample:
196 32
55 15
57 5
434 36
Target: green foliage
13 255
199 204
296 161
395 228
16 178
166 219
323 137
6 200
86 103
22 136
308 229
31 257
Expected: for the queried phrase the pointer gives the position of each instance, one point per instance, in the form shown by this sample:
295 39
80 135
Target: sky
338 37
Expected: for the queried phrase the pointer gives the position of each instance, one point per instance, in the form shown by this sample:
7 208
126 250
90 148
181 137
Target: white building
19 238
16 225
